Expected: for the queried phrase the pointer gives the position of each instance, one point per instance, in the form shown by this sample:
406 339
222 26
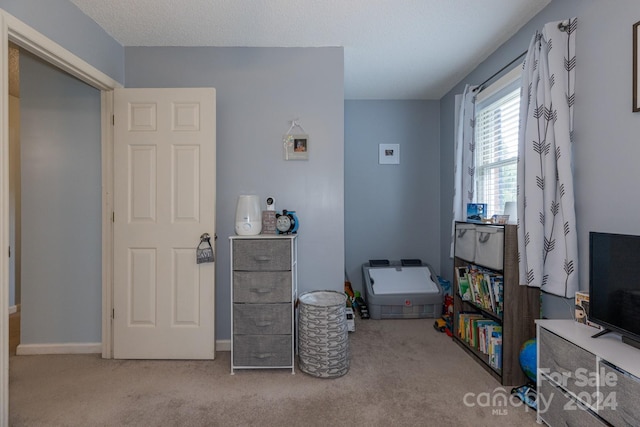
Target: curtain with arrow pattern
547 235
464 166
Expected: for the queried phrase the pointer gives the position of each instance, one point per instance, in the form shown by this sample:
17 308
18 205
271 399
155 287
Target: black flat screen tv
614 284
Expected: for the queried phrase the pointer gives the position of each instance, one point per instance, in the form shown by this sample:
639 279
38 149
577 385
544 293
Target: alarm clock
287 222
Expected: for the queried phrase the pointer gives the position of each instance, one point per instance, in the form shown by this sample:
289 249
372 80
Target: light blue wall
64 23
606 131
259 90
391 211
61 206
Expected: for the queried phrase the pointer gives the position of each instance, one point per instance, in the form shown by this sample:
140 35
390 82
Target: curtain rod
562 26
481 86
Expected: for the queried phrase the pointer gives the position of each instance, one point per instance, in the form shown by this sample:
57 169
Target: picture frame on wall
636 67
296 147
388 154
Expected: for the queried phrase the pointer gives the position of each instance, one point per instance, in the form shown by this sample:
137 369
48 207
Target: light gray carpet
402 373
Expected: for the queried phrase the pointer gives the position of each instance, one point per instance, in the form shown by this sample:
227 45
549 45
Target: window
496 138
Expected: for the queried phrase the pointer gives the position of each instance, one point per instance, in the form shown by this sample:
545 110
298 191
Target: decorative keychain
204 254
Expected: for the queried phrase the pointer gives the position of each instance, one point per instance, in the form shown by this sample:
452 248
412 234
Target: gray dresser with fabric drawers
263 295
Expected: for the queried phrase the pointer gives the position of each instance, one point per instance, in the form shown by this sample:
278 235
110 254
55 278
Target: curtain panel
464 160
547 235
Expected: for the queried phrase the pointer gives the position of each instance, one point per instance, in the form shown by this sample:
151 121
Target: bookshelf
494 252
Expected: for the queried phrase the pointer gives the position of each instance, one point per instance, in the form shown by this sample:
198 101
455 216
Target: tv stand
585 382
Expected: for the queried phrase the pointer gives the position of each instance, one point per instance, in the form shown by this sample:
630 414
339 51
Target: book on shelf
497 285
485 332
495 350
464 322
472 288
492 297
463 283
490 331
485 288
475 285
483 335
479 333
475 330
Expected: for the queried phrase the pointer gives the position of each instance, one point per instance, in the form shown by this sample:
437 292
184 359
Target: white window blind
497 121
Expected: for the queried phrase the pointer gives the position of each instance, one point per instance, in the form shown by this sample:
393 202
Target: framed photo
296 147
389 154
636 67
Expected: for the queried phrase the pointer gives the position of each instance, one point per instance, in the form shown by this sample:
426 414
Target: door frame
16 31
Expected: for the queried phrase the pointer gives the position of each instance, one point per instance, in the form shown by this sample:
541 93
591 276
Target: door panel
164 200
142 178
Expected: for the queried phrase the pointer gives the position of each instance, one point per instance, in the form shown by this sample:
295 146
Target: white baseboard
62 348
83 348
14 309
223 345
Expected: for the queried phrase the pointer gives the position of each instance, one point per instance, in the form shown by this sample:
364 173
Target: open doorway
14 30
60 165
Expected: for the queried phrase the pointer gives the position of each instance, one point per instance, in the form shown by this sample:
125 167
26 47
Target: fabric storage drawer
562 360
262 319
465 241
262 255
489 247
262 350
262 286
558 409
620 394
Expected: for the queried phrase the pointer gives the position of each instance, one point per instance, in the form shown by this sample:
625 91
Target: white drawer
489 247
465 241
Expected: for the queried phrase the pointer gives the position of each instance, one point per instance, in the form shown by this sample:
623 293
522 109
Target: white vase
248 216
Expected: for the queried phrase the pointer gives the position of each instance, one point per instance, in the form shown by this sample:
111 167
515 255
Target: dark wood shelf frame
521 309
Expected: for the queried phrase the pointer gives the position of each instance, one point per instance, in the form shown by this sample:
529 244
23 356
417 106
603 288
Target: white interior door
164 200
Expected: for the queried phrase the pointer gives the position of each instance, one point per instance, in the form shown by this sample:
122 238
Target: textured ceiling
393 49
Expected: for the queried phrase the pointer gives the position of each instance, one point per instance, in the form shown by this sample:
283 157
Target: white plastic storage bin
465 246
489 246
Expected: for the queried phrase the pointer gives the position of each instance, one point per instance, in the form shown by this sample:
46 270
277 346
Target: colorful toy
440 324
445 324
528 361
348 290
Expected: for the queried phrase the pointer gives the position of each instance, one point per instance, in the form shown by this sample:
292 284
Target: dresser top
266 236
